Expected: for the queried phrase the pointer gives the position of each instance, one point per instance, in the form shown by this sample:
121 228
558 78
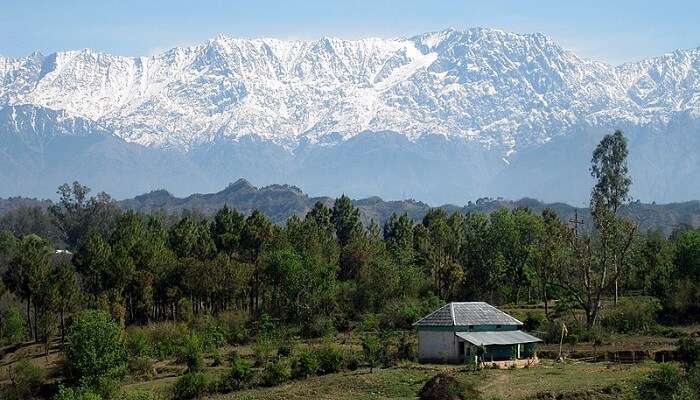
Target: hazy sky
613 31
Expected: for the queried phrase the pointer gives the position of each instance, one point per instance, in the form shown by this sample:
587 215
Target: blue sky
612 31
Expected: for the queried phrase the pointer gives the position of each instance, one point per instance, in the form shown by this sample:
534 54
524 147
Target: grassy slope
404 381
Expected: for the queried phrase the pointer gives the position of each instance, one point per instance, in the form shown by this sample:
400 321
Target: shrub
238 377
552 331
632 315
689 352
192 385
352 361
401 313
275 373
183 309
12 326
234 324
137 342
372 350
369 323
445 387
534 320
211 334
666 382
95 350
406 348
320 326
305 365
79 393
597 335
191 353
330 359
138 395
26 380
286 348
141 366
166 338
262 350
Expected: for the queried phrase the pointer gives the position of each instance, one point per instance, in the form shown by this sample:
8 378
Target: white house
457 332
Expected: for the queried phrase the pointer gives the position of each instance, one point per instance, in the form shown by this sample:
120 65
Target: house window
470 328
498 327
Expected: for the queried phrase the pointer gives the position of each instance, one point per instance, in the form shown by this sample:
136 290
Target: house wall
437 345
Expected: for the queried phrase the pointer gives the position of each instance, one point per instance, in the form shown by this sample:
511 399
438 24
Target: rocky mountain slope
442 116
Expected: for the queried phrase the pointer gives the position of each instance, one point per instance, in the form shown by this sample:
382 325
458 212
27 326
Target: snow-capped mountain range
500 95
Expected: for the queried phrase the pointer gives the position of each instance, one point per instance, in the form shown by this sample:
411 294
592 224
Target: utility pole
576 221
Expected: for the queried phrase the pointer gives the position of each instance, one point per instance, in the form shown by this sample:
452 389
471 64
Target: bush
371 350
183 309
664 383
191 353
26 380
286 348
138 395
305 365
80 393
597 335
534 320
141 366
95 350
352 361
406 349
632 315
445 387
238 377
275 373
262 350
12 326
137 342
192 385
166 338
369 323
401 314
689 351
321 326
234 324
330 359
211 334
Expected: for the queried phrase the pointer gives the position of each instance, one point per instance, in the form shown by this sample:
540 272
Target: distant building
473 331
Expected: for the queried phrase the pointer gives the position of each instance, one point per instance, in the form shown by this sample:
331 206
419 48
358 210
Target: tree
346 218
28 273
258 233
439 242
600 258
95 350
398 235
191 237
684 298
62 277
93 260
549 254
226 229
76 215
609 169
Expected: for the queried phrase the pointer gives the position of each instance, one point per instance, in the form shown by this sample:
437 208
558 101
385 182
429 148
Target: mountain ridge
441 116
281 201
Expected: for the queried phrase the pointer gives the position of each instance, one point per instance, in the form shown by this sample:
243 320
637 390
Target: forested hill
279 202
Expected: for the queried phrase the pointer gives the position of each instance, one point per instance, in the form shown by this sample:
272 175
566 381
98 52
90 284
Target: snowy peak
500 89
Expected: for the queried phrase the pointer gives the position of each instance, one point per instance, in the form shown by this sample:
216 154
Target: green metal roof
497 337
467 313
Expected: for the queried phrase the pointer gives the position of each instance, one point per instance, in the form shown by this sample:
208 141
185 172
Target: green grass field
579 380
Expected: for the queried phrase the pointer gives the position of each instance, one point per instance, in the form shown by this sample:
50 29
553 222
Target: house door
460 350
